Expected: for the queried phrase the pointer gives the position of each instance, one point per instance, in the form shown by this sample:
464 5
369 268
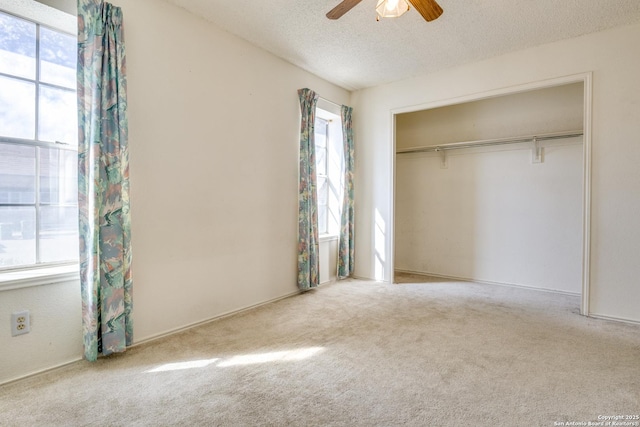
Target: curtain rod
488 142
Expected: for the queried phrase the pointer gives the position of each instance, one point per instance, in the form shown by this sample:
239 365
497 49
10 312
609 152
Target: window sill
327 237
38 276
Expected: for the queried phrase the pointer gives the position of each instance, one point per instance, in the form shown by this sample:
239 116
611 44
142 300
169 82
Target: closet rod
487 142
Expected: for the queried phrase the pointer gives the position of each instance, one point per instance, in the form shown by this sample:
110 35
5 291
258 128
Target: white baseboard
614 319
369 279
487 282
210 319
330 281
41 371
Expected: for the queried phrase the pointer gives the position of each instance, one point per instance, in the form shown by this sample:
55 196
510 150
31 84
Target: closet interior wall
492 214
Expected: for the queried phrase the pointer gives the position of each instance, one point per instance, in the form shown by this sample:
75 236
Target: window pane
322 219
58 176
50 214
58 56
58 115
323 186
17 47
321 160
320 132
17 174
323 193
17 108
58 233
17 236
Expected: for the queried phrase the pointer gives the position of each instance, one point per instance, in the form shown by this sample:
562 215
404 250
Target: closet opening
495 189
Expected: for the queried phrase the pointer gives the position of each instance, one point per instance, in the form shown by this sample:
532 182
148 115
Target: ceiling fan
429 9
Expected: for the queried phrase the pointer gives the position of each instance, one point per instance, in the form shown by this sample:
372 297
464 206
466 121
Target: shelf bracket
537 152
443 158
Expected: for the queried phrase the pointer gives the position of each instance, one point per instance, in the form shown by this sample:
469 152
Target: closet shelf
488 142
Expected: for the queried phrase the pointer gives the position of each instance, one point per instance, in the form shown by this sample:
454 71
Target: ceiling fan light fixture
391 8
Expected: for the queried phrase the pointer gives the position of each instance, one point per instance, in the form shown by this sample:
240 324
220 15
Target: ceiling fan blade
429 9
342 8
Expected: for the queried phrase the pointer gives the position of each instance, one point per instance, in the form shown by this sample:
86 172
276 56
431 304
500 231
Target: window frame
39 273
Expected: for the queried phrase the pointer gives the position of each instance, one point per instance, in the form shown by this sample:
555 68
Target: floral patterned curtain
308 247
103 181
346 242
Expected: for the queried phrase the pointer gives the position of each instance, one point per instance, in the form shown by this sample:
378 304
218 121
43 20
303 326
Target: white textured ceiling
356 51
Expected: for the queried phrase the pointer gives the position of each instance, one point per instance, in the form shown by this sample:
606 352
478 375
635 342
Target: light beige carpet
358 353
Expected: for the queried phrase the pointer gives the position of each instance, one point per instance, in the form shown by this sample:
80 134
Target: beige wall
214 129
214 160
615 235
56 329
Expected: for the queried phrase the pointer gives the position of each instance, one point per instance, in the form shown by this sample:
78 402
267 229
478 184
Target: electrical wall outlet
20 323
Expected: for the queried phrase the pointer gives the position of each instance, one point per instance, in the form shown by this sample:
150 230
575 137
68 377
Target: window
38 145
329 164
321 134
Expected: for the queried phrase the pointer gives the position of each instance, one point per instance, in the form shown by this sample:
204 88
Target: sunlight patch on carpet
276 356
179 366
245 359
